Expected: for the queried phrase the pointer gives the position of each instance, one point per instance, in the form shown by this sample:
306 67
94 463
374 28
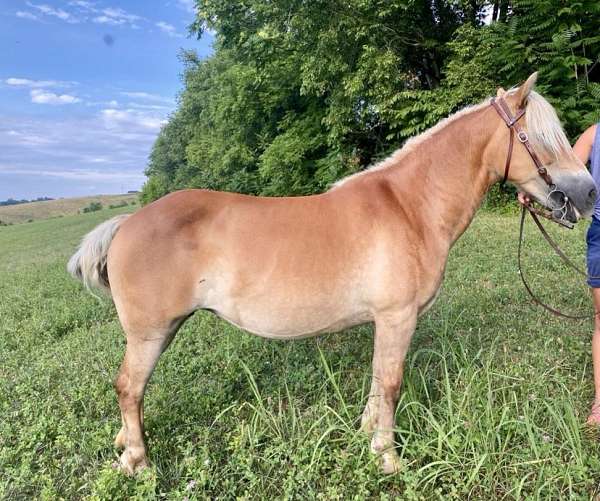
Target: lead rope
512 122
558 251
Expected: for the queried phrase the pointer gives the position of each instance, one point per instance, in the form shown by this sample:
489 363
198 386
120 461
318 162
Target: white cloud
107 20
64 155
113 103
98 160
76 175
88 11
26 15
26 82
147 96
114 118
116 16
41 96
54 12
28 139
82 4
148 106
167 28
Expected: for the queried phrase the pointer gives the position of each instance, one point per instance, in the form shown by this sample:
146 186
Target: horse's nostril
593 194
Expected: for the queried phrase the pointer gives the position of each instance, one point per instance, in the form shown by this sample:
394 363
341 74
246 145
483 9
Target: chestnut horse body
371 249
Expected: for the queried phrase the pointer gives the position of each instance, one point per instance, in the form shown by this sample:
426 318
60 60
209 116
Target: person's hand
523 198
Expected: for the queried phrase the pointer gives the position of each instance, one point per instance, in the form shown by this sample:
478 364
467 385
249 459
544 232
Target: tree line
298 94
12 201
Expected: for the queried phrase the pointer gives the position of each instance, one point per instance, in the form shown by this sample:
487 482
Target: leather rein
499 104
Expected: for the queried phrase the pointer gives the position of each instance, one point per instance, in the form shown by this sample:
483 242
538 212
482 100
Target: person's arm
583 146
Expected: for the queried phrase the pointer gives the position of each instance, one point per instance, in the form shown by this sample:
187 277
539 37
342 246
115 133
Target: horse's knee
390 392
390 384
126 386
120 382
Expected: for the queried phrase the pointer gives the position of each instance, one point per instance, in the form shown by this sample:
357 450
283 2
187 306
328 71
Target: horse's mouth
569 212
560 205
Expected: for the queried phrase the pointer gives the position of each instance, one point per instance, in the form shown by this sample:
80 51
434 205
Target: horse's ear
525 89
500 92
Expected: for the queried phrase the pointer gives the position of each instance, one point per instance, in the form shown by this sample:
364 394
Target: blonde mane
412 143
543 126
544 129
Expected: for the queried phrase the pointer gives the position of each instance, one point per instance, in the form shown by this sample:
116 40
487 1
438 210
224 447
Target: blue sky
84 89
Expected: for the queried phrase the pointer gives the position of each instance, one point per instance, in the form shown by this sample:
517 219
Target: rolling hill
33 211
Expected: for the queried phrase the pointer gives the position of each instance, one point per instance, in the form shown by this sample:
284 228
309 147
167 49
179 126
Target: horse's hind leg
145 343
393 332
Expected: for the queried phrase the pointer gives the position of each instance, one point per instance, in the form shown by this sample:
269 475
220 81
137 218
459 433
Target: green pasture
494 398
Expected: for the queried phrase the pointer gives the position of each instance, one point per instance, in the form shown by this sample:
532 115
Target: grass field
34 211
494 397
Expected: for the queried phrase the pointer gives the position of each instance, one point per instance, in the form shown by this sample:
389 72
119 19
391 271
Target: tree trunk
474 12
504 4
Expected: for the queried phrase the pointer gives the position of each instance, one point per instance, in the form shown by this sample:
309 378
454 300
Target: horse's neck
455 179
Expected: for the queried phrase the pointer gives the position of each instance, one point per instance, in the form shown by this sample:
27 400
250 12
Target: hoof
121 439
390 462
388 457
133 461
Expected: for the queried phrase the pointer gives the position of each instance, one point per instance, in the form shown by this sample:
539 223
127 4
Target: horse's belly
291 322
286 298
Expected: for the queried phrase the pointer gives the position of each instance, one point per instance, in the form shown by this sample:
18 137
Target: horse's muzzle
573 197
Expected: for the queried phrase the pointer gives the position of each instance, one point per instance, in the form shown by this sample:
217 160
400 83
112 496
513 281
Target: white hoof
133 460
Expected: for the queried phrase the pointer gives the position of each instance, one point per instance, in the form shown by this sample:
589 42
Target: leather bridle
499 104
512 122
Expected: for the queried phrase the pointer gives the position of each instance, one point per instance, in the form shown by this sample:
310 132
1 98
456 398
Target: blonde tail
88 264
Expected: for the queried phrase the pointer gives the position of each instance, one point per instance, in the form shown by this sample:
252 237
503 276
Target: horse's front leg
393 332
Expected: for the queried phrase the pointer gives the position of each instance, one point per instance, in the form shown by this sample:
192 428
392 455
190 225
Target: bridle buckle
522 136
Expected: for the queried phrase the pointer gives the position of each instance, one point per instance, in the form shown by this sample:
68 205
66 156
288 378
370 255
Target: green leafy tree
299 94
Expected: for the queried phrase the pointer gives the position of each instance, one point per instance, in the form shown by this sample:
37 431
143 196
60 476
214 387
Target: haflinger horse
371 249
